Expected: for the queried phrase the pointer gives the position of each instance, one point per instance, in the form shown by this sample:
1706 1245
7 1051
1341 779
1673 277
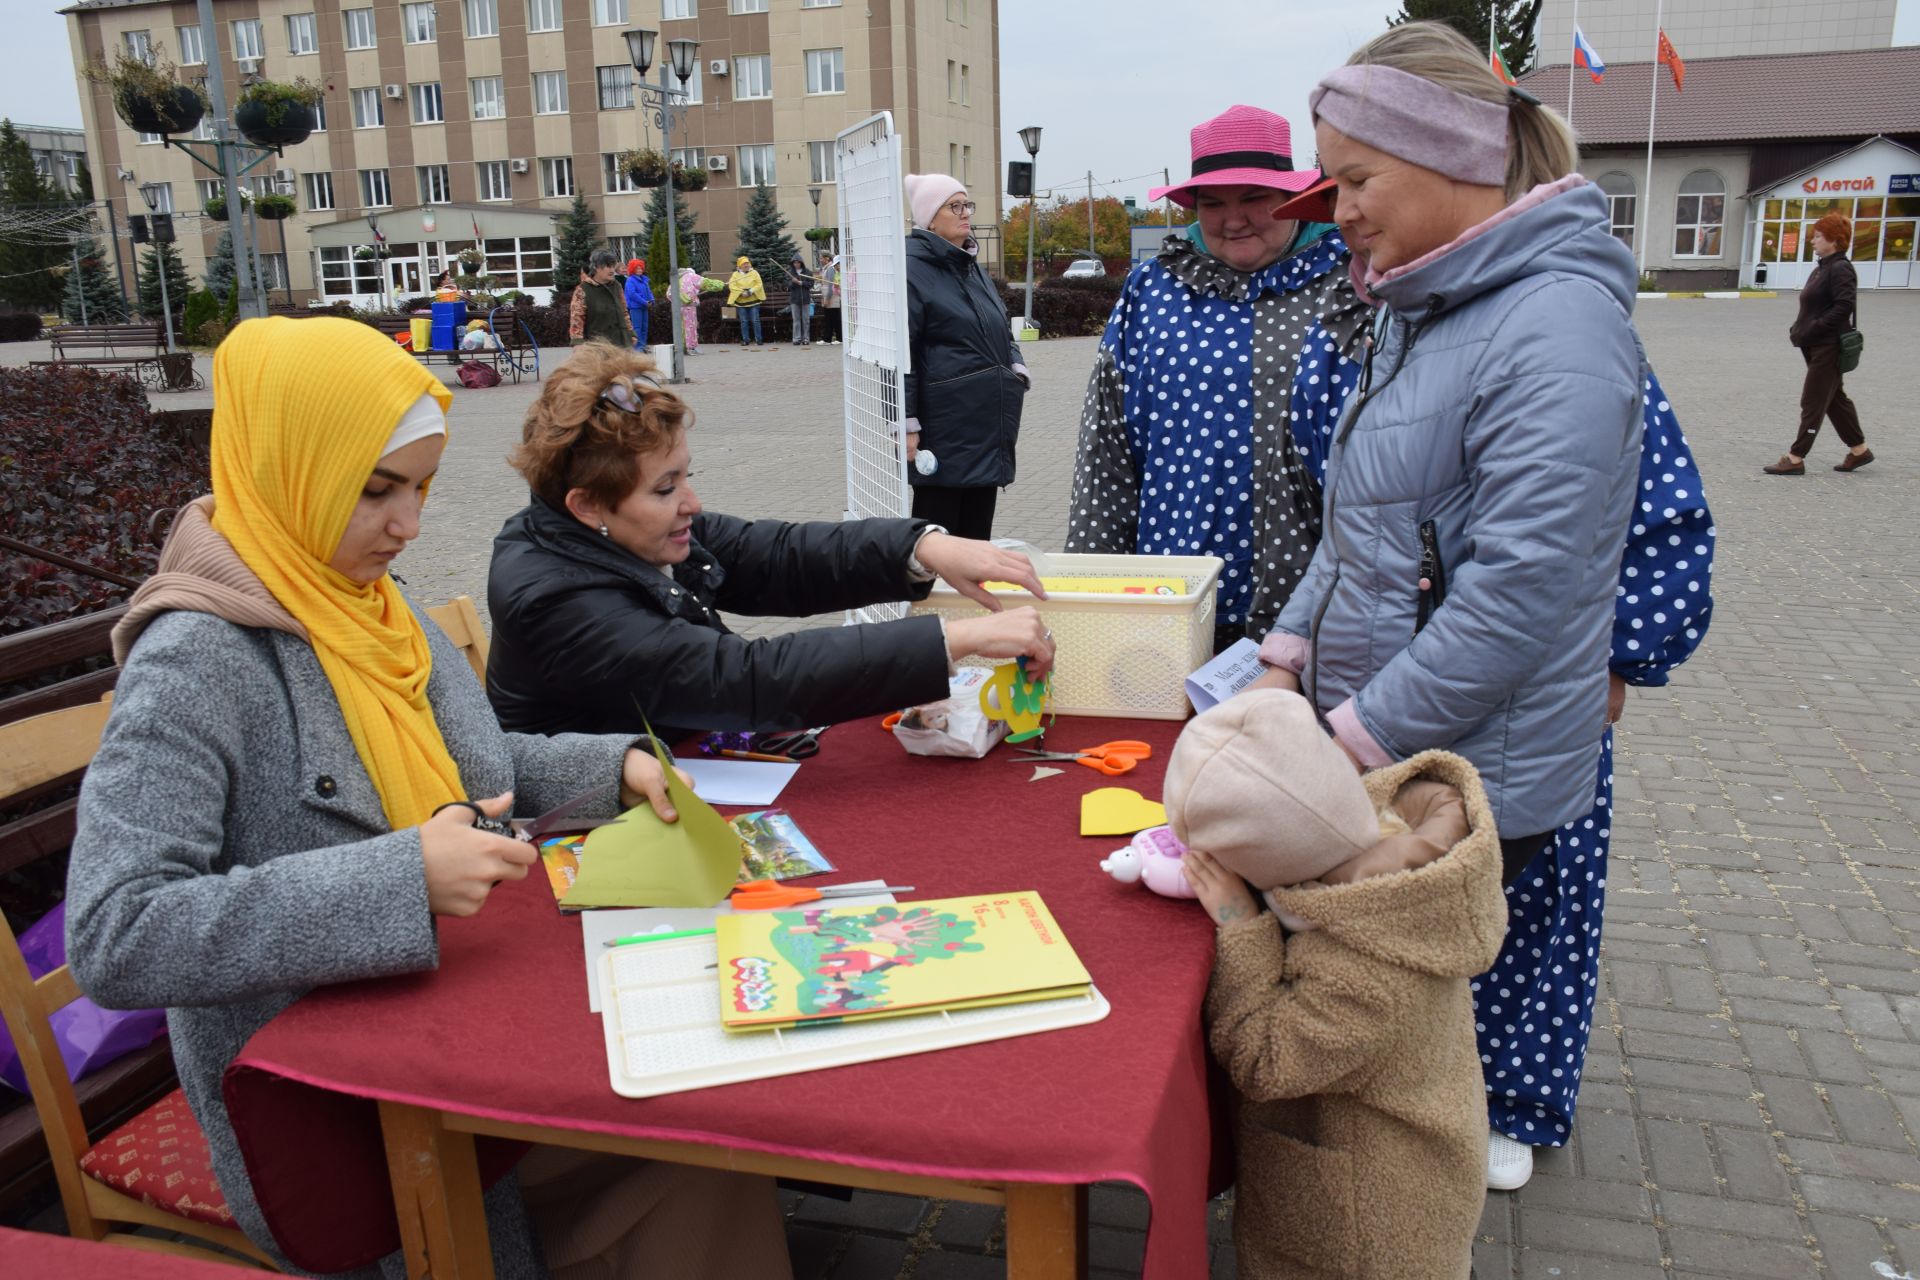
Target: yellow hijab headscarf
301 412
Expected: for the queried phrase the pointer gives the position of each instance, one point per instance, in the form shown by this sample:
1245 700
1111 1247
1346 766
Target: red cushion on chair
160 1158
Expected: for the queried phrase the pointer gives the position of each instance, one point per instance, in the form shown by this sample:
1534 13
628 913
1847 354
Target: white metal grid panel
873 311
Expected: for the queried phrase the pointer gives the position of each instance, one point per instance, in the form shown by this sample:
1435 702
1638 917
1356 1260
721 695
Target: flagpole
1653 110
1493 36
1570 67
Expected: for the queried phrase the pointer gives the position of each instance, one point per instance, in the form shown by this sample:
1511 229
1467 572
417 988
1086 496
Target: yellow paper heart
1118 811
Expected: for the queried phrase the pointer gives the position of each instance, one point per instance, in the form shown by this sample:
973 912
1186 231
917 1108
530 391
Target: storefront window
1699 215
1618 188
1897 244
1866 242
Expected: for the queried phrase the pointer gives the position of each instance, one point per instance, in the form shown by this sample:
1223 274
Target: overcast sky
1114 84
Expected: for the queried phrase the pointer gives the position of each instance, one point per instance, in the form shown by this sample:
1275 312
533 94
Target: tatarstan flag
1499 65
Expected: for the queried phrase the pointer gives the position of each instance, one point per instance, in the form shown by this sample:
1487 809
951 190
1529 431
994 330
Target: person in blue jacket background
639 292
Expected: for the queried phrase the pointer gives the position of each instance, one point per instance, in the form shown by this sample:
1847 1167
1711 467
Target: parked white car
1084 269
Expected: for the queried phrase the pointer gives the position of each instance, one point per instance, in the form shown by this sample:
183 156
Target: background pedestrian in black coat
1826 312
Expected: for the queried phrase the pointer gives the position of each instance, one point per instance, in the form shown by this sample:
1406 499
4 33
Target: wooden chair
154 1170
461 621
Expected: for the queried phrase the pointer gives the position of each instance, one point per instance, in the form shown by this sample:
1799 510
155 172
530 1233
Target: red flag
478 241
1671 57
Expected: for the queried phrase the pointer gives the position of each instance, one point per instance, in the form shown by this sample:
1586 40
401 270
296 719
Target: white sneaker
1509 1163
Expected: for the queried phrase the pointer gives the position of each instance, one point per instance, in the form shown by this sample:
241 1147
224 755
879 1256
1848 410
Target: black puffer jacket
1826 303
587 639
963 389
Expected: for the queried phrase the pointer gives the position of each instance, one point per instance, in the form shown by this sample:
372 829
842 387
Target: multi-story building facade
447 121
58 153
1623 30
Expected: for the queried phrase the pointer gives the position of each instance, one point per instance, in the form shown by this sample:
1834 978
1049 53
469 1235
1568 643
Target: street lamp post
814 191
1030 139
150 192
668 104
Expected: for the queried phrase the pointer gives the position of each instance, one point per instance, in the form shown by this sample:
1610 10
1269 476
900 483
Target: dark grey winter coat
1502 408
232 853
963 391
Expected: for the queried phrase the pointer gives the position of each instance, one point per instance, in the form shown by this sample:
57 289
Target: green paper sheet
644 862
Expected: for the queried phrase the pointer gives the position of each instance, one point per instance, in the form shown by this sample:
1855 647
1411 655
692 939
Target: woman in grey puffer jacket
1479 487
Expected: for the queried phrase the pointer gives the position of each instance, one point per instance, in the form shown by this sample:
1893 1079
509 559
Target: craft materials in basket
1154 858
1012 696
783 968
957 725
1118 811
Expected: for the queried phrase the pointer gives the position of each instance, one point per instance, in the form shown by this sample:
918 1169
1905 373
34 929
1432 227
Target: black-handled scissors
558 818
802 744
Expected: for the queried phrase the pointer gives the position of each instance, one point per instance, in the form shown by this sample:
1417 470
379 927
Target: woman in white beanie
964 394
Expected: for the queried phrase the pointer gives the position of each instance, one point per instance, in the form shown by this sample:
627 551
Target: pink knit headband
1417 120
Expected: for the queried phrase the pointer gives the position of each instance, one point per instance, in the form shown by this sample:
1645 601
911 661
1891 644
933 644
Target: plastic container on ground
422 327
1116 655
662 353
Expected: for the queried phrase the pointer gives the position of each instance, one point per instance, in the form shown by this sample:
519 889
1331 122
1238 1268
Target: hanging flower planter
647 167
472 258
367 253
276 114
274 207
216 208
686 179
146 96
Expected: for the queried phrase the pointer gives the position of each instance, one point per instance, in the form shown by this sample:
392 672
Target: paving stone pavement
1752 1097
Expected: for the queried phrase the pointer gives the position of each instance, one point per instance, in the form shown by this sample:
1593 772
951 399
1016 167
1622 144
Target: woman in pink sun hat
1185 447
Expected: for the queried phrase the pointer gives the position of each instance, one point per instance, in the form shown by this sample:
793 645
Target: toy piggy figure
1153 857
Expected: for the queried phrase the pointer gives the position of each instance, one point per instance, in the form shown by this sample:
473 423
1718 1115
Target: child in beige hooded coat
1348 1034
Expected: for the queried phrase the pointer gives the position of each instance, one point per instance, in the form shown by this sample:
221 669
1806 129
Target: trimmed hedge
1067 308
20 326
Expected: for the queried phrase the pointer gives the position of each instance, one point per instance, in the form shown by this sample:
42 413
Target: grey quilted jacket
1493 447
232 853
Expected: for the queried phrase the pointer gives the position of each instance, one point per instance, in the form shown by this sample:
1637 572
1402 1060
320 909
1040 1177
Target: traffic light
163 228
137 223
1020 178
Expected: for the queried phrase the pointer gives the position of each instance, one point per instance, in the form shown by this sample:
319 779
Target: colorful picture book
840 964
772 847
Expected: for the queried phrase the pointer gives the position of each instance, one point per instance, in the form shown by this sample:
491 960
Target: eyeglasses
962 208
621 397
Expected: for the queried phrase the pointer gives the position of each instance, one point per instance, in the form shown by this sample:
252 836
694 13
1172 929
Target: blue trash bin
449 323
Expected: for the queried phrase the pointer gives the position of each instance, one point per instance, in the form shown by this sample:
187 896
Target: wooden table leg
436 1193
1046 1231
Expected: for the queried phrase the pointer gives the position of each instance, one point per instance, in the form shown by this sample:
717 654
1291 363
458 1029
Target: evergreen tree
764 238
579 237
657 264
1515 20
179 285
94 284
220 269
27 278
83 183
654 232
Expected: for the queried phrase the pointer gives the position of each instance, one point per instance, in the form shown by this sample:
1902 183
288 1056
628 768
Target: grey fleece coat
1500 412
232 853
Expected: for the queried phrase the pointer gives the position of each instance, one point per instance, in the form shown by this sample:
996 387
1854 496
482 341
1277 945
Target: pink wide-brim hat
1240 147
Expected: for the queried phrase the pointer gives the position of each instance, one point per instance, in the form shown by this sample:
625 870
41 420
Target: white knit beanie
926 192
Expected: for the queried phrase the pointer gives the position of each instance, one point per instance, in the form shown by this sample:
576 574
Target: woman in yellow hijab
287 789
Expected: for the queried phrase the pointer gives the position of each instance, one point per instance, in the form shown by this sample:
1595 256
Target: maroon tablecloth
31 1255
502 1029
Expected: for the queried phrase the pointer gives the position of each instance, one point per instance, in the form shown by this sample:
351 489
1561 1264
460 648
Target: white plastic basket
1117 655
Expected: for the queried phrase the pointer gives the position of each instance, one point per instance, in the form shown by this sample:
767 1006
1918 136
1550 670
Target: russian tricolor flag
1584 55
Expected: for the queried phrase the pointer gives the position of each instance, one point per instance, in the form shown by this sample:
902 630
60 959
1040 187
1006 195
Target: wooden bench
107 346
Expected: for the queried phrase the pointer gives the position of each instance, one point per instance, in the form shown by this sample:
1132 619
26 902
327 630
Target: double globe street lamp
668 105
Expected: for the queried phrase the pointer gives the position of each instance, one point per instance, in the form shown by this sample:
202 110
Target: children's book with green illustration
824 963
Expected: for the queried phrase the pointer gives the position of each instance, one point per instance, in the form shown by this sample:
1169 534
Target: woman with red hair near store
1826 312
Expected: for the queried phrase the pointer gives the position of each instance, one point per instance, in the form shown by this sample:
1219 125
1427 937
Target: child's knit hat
1258 784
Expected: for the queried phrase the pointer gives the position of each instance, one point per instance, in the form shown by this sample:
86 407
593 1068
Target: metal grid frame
873 310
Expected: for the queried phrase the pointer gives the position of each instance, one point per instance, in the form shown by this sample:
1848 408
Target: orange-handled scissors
1110 758
771 895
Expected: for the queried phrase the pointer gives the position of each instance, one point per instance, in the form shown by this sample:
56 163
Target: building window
819 4
489 98
826 71
609 13
273 270
163 196
301 35
375 193
549 93
966 85
368 111
957 11
1699 214
427 107
139 45
819 162
495 183
150 139
671 9
616 86
435 186
615 178
752 77
953 81
556 176
688 157
953 159
247 40
417 22
342 275
1618 189
692 86
965 171
319 191
543 15
207 189
483 19
359 28
756 166
203 132
319 116
746 6
192 52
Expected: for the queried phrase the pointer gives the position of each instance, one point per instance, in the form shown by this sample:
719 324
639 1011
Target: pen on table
656 937
757 755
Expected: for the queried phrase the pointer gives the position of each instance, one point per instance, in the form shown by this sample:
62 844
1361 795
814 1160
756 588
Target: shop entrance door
404 276
1897 250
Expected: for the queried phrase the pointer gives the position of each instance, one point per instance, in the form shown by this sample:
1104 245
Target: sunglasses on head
620 396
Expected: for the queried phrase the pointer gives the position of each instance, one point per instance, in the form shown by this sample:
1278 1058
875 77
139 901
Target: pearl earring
603 531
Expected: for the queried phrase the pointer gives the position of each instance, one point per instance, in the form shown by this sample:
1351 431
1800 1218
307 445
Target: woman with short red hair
1826 312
